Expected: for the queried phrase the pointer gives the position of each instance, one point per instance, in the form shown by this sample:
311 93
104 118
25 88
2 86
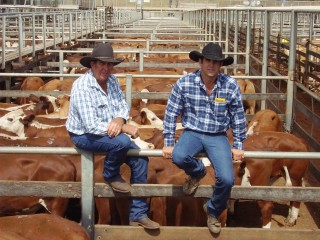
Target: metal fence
138 4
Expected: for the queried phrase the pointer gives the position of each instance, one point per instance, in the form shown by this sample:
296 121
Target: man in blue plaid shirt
209 103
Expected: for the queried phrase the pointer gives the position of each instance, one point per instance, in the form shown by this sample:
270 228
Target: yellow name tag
220 100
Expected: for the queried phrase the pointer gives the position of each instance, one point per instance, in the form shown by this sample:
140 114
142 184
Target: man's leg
139 206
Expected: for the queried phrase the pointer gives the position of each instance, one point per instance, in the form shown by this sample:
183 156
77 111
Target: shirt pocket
102 109
220 109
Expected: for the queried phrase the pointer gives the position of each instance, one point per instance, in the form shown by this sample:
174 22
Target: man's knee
125 142
178 158
227 181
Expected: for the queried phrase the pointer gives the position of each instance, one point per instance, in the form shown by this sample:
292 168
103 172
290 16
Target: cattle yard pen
87 190
263 42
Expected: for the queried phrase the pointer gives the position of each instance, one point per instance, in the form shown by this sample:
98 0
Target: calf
259 172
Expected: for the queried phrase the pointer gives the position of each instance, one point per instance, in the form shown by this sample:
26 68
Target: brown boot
146 223
191 184
213 223
118 184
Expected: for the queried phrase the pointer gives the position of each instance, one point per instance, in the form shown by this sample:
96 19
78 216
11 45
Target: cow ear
143 117
43 98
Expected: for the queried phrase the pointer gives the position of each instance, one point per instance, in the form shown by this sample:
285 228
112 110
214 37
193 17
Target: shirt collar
198 80
92 81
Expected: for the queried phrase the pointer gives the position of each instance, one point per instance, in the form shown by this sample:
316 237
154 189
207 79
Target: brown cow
30 84
264 120
58 85
27 167
259 172
40 227
246 86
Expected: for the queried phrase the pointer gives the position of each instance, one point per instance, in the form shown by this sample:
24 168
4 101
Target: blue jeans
117 149
218 150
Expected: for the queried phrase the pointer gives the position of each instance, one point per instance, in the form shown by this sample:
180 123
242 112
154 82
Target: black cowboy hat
102 52
211 51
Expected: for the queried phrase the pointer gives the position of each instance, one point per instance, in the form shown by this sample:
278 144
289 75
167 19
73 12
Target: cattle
264 120
39 227
7 105
58 85
261 172
24 126
36 105
62 102
28 167
11 121
45 118
247 87
155 88
146 117
30 84
37 142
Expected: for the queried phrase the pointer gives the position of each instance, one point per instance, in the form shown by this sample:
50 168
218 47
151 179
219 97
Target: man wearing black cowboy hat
97 122
209 103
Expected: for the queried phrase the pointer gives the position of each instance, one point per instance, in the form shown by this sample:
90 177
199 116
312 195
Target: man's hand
167 151
114 128
237 154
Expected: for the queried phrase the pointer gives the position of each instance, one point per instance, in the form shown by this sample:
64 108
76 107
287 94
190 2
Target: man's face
210 68
101 70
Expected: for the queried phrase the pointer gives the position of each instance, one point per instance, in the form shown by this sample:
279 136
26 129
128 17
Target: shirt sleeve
238 120
173 110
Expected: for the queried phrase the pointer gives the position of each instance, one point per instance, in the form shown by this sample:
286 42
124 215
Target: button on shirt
91 109
214 113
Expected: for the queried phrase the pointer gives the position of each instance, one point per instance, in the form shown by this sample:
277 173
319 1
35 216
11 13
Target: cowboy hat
211 51
102 52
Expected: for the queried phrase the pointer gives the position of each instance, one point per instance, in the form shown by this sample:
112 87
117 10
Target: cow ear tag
221 100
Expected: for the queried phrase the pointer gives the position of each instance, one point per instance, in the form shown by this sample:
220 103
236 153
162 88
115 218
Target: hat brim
195 56
85 61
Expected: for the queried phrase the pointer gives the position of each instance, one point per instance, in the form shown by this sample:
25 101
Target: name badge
221 100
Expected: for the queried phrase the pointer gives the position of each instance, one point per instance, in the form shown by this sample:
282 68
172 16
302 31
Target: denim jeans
117 148
218 150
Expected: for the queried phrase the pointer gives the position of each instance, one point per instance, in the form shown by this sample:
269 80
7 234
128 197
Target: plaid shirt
91 109
211 114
